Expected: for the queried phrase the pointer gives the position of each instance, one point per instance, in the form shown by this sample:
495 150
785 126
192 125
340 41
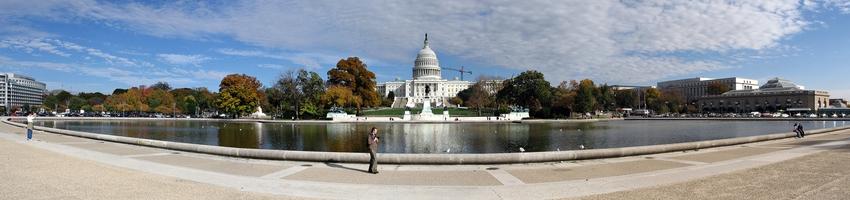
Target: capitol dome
426 65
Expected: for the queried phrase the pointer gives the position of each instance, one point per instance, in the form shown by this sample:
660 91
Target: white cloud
31 45
308 60
608 40
271 66
58 47
179 59
4 61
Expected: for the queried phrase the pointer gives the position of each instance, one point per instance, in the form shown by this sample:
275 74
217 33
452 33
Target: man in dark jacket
373 150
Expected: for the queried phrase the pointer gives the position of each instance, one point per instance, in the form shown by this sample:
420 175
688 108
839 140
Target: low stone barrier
394 158
740 119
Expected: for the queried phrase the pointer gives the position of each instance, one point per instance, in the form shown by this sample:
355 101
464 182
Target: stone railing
394 158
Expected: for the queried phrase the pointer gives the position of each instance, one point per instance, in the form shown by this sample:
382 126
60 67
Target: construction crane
461 70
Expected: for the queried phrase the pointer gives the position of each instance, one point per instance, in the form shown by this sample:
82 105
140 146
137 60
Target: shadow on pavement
334 165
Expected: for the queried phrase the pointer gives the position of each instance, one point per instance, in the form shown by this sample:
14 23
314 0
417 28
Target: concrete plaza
63 167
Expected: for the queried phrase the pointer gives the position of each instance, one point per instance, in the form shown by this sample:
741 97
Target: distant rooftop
779 83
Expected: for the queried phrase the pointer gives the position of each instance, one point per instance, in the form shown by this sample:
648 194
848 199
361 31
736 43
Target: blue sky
91 45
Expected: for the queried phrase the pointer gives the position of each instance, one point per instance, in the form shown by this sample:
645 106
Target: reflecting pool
435 137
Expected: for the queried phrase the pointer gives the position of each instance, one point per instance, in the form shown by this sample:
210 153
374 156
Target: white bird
562 130
449 150
558 149
581 146
579 129
521 149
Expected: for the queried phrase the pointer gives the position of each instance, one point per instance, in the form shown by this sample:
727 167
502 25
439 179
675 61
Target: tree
118 91
456 101
564 98
98 108
92 99
161 86
529 90
674 101
625 98
64 97
294 89
716 88
51 102
479 98
388 101
465 94
189 105
288 85
338 96
205 98
239 94
605 98
652 97
391 95
312 85
585 101
76 103
354 75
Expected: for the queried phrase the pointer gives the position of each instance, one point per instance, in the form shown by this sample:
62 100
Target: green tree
205 98
51 102
239 94
652 97
564 98
529 90
161 86
674 101
118 91
76 103
353 74
585 100
625 98
288 86
64 98
605 98
189 105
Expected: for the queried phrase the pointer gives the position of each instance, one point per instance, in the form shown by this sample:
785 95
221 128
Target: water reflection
435 137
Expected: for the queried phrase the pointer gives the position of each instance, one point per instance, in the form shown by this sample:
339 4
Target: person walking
373 150
795 131
30 124
800 130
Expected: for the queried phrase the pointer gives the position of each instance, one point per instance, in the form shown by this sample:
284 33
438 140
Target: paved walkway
63 167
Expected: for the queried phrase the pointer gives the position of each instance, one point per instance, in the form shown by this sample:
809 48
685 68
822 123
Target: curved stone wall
493 158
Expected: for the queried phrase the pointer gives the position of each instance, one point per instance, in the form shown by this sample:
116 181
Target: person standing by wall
30 124
800 130
373 150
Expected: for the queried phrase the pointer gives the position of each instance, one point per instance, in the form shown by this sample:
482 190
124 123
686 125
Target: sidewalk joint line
285 172
504 177
148 155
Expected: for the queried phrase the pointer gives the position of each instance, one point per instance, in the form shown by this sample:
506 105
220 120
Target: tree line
302 94
531 91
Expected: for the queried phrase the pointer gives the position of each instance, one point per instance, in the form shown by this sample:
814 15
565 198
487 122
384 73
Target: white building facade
427 82
18 91
694 88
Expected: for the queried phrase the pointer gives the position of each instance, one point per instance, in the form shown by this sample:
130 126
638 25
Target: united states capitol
428 84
